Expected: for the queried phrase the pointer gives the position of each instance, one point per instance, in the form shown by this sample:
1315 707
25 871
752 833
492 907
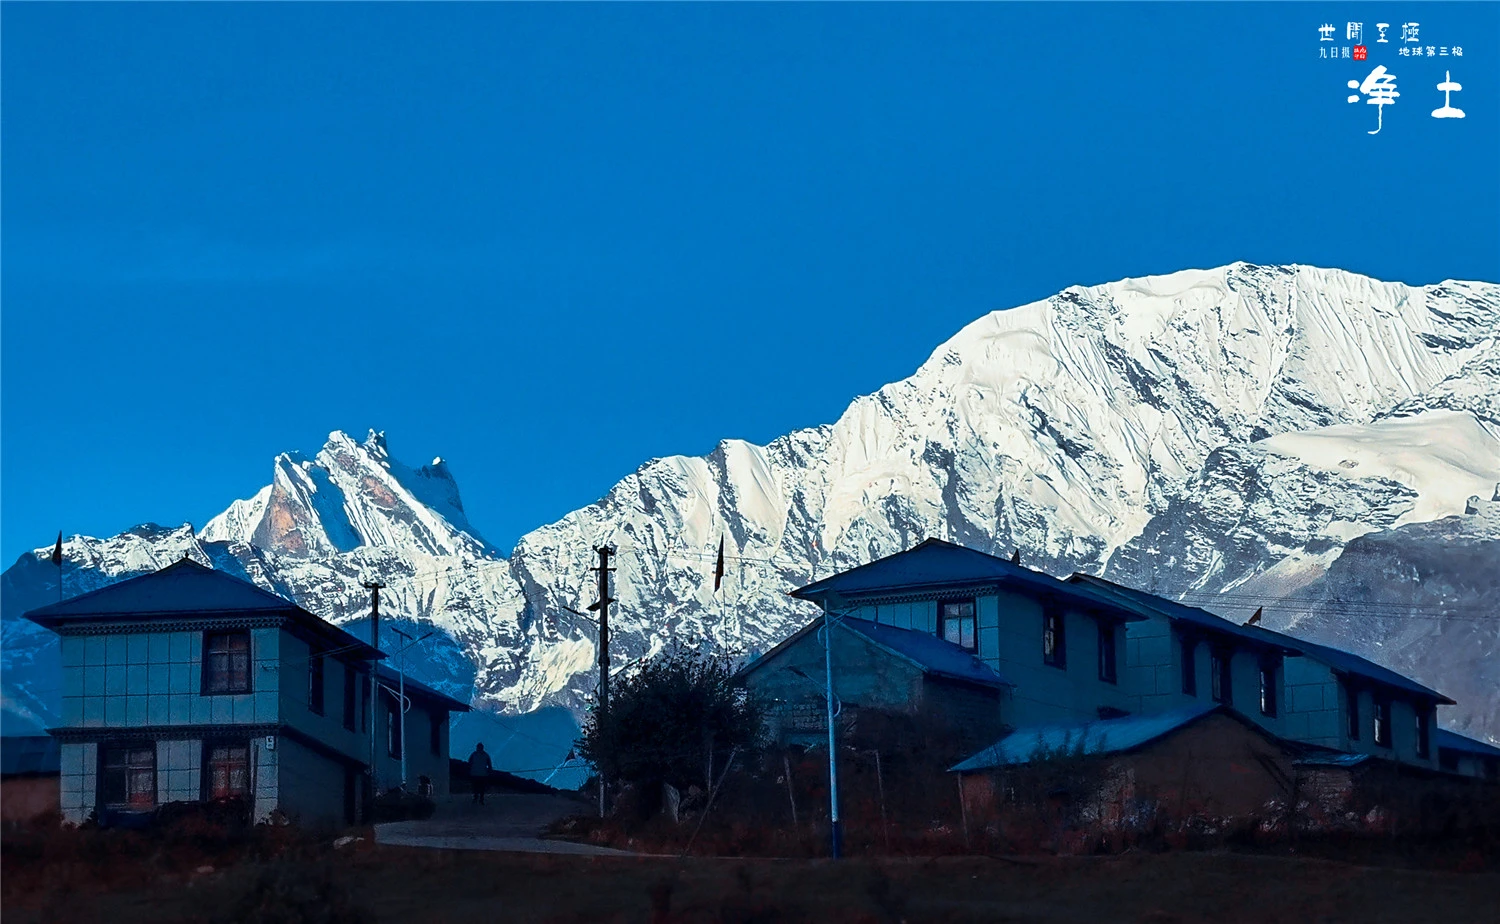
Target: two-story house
1059 647
189 684
1298 690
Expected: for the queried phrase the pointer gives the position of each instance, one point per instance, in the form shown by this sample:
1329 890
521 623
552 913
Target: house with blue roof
1052 650
1466 756
1203 759
191 685
1302 691
879 668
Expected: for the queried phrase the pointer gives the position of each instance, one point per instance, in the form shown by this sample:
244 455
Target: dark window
315 684
1383 722
1268 689
1189 667
392 729
1107 652
350 682
1054 643
1220 677
437 720
128 777
227 770
226 662
1424 731
958 623
1351 694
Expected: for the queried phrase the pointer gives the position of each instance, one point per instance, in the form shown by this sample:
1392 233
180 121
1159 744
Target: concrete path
507 821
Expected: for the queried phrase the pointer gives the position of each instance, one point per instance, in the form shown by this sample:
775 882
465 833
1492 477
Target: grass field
364 883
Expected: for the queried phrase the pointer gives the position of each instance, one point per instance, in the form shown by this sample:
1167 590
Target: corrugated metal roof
182 587
29 754
1333 657
1353 664
1334 760
935 655
1151 605
1108 736
934 563
1453 741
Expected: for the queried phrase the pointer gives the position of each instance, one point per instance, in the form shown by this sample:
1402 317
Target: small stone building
1204 760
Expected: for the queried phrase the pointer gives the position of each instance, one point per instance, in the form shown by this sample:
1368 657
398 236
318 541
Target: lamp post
836 830
401 700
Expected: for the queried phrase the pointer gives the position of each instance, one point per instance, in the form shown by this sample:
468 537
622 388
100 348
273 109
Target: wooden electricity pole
374 588
602 605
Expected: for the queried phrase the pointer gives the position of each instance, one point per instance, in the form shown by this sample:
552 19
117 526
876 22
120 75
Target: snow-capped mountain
1277 436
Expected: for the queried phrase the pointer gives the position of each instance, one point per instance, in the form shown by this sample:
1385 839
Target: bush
293 890
675 720
399 805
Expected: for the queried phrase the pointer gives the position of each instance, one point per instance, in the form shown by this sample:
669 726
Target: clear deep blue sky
550 242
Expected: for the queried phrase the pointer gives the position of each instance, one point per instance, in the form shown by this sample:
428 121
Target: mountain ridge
1167 430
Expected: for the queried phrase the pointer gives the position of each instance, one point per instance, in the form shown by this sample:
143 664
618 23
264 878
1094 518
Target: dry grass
402 885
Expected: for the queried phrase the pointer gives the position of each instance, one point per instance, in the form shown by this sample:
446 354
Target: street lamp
836 830
401 699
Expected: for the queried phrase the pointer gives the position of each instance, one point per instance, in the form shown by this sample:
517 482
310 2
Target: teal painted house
190 685
1057 649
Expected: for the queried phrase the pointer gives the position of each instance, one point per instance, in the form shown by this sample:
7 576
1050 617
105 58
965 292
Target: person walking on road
479 771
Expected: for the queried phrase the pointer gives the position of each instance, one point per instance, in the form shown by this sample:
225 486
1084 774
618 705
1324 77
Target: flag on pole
719 566
57 557
1255 620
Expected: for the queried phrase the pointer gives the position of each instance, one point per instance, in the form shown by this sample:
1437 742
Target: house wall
1313 704
25 799
1044 693
1403 728
1215 766
864 674
1154 671
328 727
155 678
1009 635
974 711
78 780
310 785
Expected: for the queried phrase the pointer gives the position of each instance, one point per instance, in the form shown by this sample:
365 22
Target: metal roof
1349 663
1453 741
29 755
1107 736
1335 658
186 588
931 654
1334 760
934 564
934 655
1151 605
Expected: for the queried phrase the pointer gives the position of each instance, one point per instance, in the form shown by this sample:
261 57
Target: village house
1298 690
191 685
880 668
1057 646
1203 760
1466 756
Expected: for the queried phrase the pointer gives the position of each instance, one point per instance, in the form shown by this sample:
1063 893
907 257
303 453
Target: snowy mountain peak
1246 429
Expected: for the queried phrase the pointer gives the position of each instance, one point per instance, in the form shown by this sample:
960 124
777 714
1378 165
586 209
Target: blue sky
550 242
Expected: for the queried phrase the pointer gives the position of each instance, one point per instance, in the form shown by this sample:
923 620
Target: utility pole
836 834
602 605
374 588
